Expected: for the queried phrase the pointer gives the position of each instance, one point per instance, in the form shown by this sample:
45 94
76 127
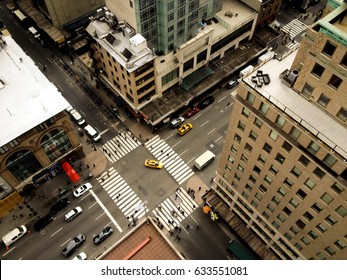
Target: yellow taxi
185 128
153 163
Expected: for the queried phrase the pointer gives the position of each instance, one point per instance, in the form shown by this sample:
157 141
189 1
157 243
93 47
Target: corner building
282 178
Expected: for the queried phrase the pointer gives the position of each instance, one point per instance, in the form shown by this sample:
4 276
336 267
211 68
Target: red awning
70 172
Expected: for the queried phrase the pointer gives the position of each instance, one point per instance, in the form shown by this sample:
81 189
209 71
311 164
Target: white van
204 160
35 33
14 235
92 133
77 117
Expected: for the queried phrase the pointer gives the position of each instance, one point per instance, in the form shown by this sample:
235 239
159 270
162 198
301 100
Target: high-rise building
37 135
282 178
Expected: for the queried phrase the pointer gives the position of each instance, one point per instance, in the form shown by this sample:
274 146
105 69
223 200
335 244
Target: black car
74 244
59 205
205 102
44 221
106 232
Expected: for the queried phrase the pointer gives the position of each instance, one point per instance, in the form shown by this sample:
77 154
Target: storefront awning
70 172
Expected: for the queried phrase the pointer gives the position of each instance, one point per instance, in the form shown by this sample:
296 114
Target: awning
70 172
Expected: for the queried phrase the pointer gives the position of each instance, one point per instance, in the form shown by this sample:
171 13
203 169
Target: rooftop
27 98
308 115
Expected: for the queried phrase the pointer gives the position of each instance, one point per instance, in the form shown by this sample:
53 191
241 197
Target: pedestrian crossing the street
119 146
177 168
122 194
173 210
294 28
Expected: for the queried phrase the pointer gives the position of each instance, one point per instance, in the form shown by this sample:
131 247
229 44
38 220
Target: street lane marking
183 152
168 137
12 248
176 144
191 160
60 88
218 138
198 116
56 232
92 205
204 123
220 100
106 211
101 133
65 242
100 216
211 131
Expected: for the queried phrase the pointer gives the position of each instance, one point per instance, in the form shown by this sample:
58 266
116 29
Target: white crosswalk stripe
178 169
294 28
173 210
119 146
122 194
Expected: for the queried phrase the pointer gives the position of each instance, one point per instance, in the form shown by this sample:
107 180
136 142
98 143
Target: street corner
196 189
96 162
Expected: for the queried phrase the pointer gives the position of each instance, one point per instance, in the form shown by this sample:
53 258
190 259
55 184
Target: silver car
69 216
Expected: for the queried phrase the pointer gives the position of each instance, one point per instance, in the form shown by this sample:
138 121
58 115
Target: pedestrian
115 151
161 151
94 165
199 189
159 207
211 180
188 190
176 195
87 165
197 227
109 154
140 136
228 104
79 169
188 226
168 154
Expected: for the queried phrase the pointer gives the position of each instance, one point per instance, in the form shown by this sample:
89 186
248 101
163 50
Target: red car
192 112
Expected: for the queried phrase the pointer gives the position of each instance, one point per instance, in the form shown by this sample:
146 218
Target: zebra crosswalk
174 209
121 193
294 28
177 168
119 146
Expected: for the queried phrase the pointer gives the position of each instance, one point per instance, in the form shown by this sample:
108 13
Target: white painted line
204 123
92 205
191 160
85 196
56 232
60 88
176 144
101 133
168 137
100 216
65 242
12 248
218 138
220 100
211 131
106 211
183 152
198 116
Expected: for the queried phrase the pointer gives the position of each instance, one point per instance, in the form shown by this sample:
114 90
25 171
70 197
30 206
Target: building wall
319 49
62 12
287 183
31 141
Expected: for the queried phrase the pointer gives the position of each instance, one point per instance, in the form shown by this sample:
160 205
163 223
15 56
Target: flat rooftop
308 115
27 97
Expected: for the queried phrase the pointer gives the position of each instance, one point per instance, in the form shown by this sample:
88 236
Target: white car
69 216
80 257
82 189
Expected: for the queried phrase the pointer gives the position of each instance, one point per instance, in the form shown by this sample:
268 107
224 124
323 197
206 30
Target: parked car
72 214
80 257
43 222
205 102
232 83
73 245
14 235
153 163
82 189
176 122
192 112
185 128
106 232
59 205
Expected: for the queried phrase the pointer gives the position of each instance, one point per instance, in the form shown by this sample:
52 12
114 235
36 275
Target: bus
204 160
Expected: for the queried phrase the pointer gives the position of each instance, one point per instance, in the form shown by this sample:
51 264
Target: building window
304 160
287 146
344 61
301 194
342 211
237 138
258 196
261 159
275 224
280 158
316 207
321 256
233 149
295 133
245 195
298 246
329 49
281 218
254 204
245 112
248 188
305 241
293 203
267 148
253 136
241 168
250 98
273 135
241 126
262 189
258 123
310 184
313 147
330 251
270 208
340 244
237 177
312 234
300 224
287 211
244 158
335 82
330 220
264 108
252 179
323 100
267 179
308 216
275 200
248 147
294 230
266 215
307 90
227 167
289 183
329 160
322 228
256 169
282 191
273 169
337 188
296 171
280 120
319 172
317 70
342 114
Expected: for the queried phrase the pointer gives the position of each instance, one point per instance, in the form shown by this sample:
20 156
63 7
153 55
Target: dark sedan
205 102
106 232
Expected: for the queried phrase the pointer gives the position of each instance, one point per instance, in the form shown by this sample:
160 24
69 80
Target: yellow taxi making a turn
153 163
185 128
